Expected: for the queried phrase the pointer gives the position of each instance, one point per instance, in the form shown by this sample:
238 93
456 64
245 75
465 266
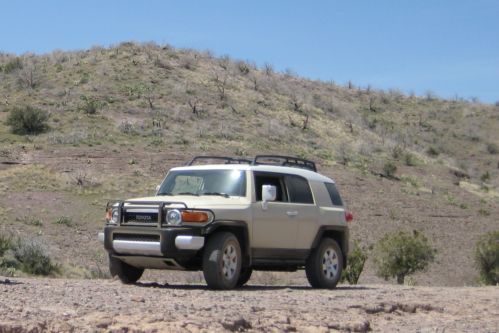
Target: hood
193 201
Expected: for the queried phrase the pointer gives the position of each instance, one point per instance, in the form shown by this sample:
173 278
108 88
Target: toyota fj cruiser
227 219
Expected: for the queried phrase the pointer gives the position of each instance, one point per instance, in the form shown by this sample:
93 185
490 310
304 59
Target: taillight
348 216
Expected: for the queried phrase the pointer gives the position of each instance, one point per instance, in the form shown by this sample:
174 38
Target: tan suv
227 219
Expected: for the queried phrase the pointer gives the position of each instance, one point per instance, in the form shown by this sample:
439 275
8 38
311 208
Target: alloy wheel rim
330 264
229 262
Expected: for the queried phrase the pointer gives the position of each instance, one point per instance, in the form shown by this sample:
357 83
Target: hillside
121 116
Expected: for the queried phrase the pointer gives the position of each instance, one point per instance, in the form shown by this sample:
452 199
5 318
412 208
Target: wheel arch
339 233
239 229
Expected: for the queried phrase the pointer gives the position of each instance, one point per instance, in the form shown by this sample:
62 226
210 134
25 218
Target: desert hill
119 117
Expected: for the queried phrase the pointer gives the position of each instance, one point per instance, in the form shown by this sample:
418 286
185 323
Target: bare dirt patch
36 305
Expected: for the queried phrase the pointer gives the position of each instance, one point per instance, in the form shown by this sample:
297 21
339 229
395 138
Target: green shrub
90 105
12 65
356 260
400 254
492 148
27 120
487 258
64 220
433 152
33 258
4 244
410 159
389 169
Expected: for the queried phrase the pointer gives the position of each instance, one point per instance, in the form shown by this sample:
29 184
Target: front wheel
244 276
325 264
222 261
126 273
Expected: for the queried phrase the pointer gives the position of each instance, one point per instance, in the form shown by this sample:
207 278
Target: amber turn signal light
198 217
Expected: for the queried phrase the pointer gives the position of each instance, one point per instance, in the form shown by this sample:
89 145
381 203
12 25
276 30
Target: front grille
142 218
137 238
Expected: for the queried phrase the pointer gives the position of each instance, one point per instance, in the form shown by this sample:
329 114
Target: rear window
334 194
299 190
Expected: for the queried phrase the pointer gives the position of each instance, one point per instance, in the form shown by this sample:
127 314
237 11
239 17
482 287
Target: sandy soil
58 305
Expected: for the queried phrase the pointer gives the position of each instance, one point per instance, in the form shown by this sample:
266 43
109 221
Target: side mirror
269 193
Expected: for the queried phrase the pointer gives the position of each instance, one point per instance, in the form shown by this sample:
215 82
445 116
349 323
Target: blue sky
448 47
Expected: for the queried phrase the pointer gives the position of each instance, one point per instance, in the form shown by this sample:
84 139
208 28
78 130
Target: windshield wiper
225 195
166 193
188 193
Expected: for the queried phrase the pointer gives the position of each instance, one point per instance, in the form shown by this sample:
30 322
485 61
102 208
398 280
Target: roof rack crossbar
228 160
285 161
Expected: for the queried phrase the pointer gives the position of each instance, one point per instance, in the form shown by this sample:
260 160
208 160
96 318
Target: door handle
292 213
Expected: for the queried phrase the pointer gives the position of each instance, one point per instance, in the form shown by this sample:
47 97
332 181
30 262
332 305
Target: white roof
308 174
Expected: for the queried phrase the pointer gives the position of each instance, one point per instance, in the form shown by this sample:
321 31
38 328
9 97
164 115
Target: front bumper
176 243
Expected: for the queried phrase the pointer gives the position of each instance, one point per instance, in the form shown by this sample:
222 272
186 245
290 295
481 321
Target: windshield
204 182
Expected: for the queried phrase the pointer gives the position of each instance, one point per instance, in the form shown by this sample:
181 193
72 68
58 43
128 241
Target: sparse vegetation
487 258
400 254
4 244
389 169
33 258
356 260
28 256
492 148
27 120
64 220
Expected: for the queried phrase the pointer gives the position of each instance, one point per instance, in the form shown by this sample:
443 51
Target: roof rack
285 161
228 160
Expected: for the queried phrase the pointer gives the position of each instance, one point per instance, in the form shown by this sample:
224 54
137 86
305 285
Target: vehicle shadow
250 287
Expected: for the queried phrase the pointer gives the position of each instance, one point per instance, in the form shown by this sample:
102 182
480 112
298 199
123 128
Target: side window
334 194
269 179
299 190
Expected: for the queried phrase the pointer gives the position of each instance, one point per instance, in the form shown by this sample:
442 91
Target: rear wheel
126 273
325 264
222 261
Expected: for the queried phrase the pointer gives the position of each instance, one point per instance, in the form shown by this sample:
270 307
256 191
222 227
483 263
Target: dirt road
58 305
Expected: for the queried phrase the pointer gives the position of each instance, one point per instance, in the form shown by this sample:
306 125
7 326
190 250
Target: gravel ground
58 305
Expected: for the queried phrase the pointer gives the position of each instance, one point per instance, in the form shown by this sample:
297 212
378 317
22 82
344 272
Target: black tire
126 273
222 261
325 264
244 276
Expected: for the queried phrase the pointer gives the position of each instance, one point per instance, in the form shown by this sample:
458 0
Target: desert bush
356 260
64 220
492 148
33 258
12 65
487 258
90 105
4 244
485 177
400 254
410 159
243 67
389 169
27 120
433 152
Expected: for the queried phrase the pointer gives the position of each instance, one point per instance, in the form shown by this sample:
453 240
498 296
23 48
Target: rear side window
299 190
334 194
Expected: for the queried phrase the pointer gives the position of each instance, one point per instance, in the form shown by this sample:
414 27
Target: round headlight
173 217
114 216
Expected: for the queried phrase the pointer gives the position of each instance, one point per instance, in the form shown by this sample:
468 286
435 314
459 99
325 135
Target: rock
362 326
238 325
104 323
138 299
